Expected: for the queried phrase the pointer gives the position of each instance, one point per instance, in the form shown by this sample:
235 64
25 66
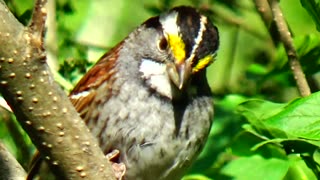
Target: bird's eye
163 44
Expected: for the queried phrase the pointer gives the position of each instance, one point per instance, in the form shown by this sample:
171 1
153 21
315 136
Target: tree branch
9 166
264 10
40 105
23 153
287 41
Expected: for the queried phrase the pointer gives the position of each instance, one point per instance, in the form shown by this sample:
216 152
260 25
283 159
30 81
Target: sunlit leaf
313 8
257 167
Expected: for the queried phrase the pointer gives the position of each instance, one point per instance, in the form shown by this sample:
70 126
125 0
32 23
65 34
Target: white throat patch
156 76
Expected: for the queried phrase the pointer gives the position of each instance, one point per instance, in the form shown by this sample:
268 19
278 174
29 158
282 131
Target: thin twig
264 10
287 41
229 18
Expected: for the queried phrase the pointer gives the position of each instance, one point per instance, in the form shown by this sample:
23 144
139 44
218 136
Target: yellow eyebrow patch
202 63
177 47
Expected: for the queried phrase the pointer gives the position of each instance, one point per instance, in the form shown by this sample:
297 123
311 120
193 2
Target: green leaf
308 49
247 142
301 118
299 170
292 145
313 8
257 167
196 177
316 156
256 111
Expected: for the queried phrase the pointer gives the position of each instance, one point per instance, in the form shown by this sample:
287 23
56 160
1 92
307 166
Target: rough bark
40 105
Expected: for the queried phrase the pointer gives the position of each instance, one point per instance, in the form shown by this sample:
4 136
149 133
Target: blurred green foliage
262 129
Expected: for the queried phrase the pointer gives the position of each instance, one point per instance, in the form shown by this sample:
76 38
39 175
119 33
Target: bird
149 97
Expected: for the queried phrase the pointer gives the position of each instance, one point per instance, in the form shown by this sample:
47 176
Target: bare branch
9 166
228 18
40 105
286 39
264 9
23 154
37 23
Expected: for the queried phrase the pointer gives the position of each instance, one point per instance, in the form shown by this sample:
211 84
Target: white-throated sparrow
149 97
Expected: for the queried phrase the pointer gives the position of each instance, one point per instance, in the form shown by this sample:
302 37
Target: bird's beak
179 73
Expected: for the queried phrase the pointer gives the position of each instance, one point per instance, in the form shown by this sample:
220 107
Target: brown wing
84 92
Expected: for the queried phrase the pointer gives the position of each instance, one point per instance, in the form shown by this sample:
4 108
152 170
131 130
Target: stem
287 41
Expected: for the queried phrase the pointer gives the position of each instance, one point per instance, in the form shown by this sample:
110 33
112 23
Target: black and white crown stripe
198 39
174 23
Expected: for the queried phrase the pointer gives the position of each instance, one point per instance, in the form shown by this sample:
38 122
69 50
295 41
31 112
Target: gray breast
143 127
